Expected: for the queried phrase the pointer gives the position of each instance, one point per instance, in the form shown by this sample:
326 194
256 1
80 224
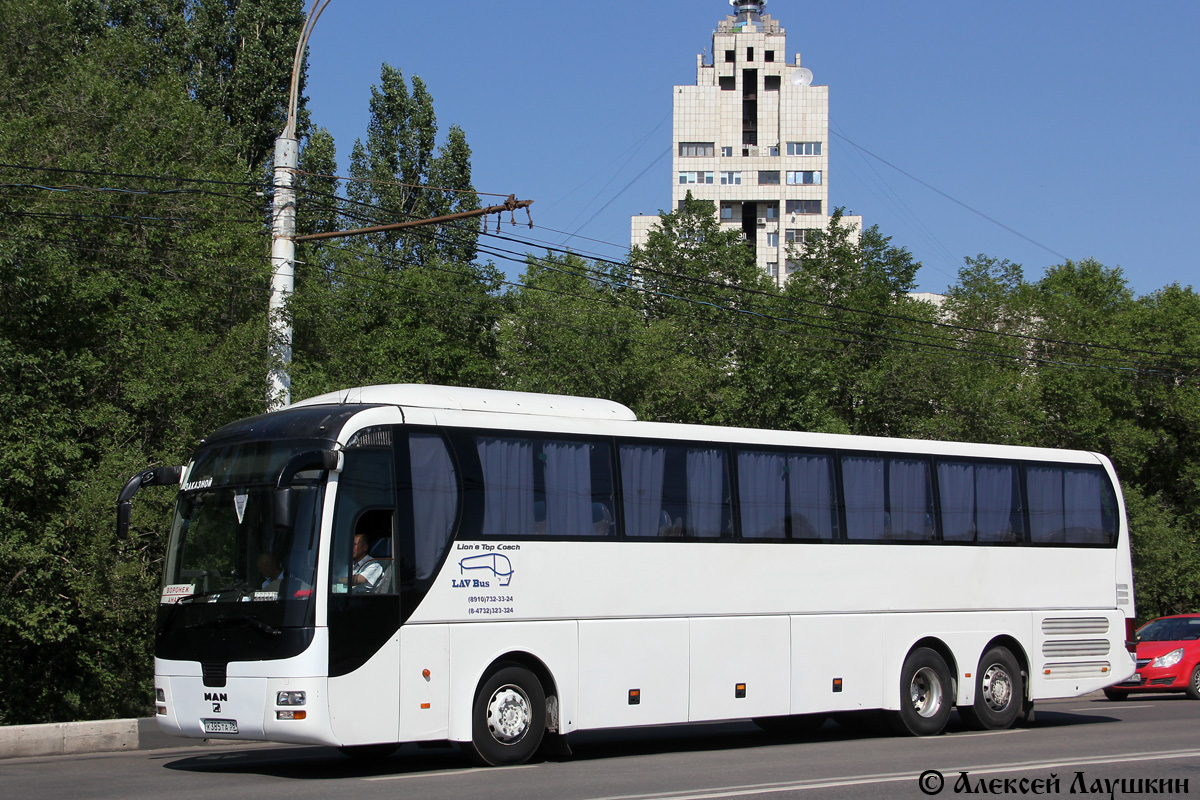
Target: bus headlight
290 699
1169 660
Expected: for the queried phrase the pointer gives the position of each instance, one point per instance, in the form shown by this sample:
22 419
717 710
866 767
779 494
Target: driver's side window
364 524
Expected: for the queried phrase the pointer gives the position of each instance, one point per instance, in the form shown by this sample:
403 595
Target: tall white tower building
752 137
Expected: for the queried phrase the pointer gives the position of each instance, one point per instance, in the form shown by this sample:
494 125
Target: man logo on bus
496 563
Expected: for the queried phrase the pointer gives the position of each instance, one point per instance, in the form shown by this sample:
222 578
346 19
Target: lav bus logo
495 563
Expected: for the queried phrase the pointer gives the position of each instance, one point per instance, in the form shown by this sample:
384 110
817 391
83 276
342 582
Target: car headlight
1169 660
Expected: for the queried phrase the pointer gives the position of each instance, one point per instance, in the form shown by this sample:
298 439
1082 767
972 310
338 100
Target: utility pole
283 231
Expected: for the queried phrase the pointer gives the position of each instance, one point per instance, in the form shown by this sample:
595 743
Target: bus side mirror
160 476
283 507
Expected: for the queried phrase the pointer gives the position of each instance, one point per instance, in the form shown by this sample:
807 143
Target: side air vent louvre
1074 626
371 437
1075 648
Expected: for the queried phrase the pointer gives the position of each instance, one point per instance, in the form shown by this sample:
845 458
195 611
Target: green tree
240 65
130 323
575 328
696 282
857 331
402 306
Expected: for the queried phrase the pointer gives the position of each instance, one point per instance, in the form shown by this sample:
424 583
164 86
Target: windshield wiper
229 622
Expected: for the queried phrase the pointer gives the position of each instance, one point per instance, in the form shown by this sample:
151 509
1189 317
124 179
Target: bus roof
456 398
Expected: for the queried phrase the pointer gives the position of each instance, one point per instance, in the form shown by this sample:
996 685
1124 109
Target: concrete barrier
68 738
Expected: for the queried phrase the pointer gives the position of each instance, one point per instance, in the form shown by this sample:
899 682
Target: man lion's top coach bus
410 563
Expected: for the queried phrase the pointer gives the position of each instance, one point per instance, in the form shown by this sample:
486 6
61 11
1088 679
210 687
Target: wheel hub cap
508 714
925 691
997 688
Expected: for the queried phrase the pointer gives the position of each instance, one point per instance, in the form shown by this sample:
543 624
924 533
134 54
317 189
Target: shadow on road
327 763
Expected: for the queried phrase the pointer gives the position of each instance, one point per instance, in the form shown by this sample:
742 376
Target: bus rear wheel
999 692
926 696
508 719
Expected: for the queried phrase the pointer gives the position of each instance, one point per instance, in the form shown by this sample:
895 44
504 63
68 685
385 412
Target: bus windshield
224 546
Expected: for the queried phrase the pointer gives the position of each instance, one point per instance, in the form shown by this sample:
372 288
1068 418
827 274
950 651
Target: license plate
220 725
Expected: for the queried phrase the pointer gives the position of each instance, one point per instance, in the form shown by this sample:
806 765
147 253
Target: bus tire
508 719
926 695
999 692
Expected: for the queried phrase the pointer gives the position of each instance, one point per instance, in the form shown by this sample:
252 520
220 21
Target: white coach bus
414 563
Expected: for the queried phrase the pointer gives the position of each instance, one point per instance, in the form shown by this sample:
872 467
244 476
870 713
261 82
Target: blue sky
1074 125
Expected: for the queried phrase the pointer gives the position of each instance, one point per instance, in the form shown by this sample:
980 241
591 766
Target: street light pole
283 231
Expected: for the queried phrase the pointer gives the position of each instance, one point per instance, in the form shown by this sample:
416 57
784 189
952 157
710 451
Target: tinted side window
433 484
981 502
888 498
787 495
545 487
362 524
1070 505
675 490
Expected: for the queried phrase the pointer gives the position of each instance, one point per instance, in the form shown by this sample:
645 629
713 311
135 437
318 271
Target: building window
804 148
804 206
800 177
730 56
771 83
731 179
799 235
773 269
773 239
726 152
727 83
768 55
792 266
768 177
772 211
773 150
749 53
695 177
726 211
695 149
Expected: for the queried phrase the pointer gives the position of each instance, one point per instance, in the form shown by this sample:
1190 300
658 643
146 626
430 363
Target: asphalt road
1082 747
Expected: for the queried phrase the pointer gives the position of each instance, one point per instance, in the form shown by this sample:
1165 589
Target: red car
1168 658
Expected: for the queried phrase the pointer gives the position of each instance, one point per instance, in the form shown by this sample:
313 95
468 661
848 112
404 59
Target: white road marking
434 773
718 792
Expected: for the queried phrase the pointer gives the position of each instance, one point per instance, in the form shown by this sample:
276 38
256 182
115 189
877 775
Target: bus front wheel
926 696
508 718
999 692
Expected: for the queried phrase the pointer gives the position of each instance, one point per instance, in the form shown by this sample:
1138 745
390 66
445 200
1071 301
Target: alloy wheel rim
508 714
997 687
925 692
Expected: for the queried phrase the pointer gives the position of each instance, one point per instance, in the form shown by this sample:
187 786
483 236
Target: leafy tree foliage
405 306
134 277
130 323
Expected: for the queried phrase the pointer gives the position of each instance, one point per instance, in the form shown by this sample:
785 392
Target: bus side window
434 491
1066 506
365 508
675 491
545 487
787 495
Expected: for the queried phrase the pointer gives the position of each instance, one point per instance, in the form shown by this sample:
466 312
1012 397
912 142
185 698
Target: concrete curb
68 738
96 736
